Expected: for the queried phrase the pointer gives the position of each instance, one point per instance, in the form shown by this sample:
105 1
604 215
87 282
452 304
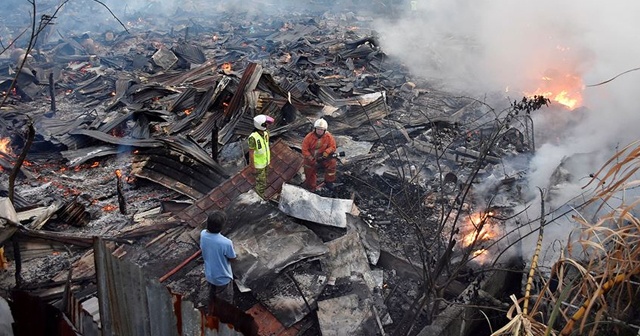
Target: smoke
478 47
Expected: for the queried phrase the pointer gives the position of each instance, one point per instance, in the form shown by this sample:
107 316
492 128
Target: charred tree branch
16 168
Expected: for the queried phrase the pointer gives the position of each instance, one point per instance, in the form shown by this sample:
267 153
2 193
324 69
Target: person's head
215 221
320 126
262 121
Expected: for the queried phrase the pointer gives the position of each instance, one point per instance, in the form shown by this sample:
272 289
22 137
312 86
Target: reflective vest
261 154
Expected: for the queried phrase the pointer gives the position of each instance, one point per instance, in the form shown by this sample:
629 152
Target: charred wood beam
122 204
52 93
16 168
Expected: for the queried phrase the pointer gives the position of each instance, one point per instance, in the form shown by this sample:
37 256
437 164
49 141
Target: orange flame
5 146
226 67
469 231
188 111
109 207
565 89
118 173
95 164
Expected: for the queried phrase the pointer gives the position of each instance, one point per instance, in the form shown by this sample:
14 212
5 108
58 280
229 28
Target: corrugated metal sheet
132 304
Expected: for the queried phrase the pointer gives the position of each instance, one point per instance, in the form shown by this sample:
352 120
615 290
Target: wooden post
214 143
18 260
52 93
122 204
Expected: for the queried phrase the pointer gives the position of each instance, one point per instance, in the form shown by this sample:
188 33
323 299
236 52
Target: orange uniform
317 151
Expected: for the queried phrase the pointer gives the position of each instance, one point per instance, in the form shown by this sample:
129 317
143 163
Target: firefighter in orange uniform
318 149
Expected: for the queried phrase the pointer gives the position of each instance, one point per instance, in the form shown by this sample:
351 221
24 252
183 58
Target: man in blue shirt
217 252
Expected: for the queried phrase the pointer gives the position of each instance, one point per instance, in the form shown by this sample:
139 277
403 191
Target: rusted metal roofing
133 304
285 164
269 325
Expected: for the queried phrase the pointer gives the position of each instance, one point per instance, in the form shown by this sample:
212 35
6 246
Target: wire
609 80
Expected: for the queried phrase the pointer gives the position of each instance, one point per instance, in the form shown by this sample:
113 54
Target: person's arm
252 147
231 253
306 145
251 160
331 146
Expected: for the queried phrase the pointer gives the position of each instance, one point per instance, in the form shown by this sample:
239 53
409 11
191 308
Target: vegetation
593 288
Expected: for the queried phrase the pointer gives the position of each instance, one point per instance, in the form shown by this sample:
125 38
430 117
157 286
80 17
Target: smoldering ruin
123 125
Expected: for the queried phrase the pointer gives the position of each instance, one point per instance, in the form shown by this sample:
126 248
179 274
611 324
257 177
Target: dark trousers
221 301
221 292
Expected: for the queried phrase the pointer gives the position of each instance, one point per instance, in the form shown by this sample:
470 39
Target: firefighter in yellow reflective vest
259 152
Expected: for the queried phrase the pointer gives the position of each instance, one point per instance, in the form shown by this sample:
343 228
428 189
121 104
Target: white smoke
488 46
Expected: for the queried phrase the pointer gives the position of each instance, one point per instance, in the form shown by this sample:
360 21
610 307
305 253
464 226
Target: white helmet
260 121
320 123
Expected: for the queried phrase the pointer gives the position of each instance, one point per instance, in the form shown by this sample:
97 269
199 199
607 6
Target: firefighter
259 152
318 148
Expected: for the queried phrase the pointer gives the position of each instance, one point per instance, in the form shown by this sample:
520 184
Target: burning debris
144 132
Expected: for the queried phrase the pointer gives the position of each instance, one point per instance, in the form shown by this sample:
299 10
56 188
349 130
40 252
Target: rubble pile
145 126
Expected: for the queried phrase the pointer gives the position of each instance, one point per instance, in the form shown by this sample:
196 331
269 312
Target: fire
95 164
226 67
478 220
118 173
359 71
188 111
5 146
479 252
565 89
109 207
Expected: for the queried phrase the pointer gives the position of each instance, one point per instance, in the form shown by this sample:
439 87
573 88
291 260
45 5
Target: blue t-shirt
216 251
